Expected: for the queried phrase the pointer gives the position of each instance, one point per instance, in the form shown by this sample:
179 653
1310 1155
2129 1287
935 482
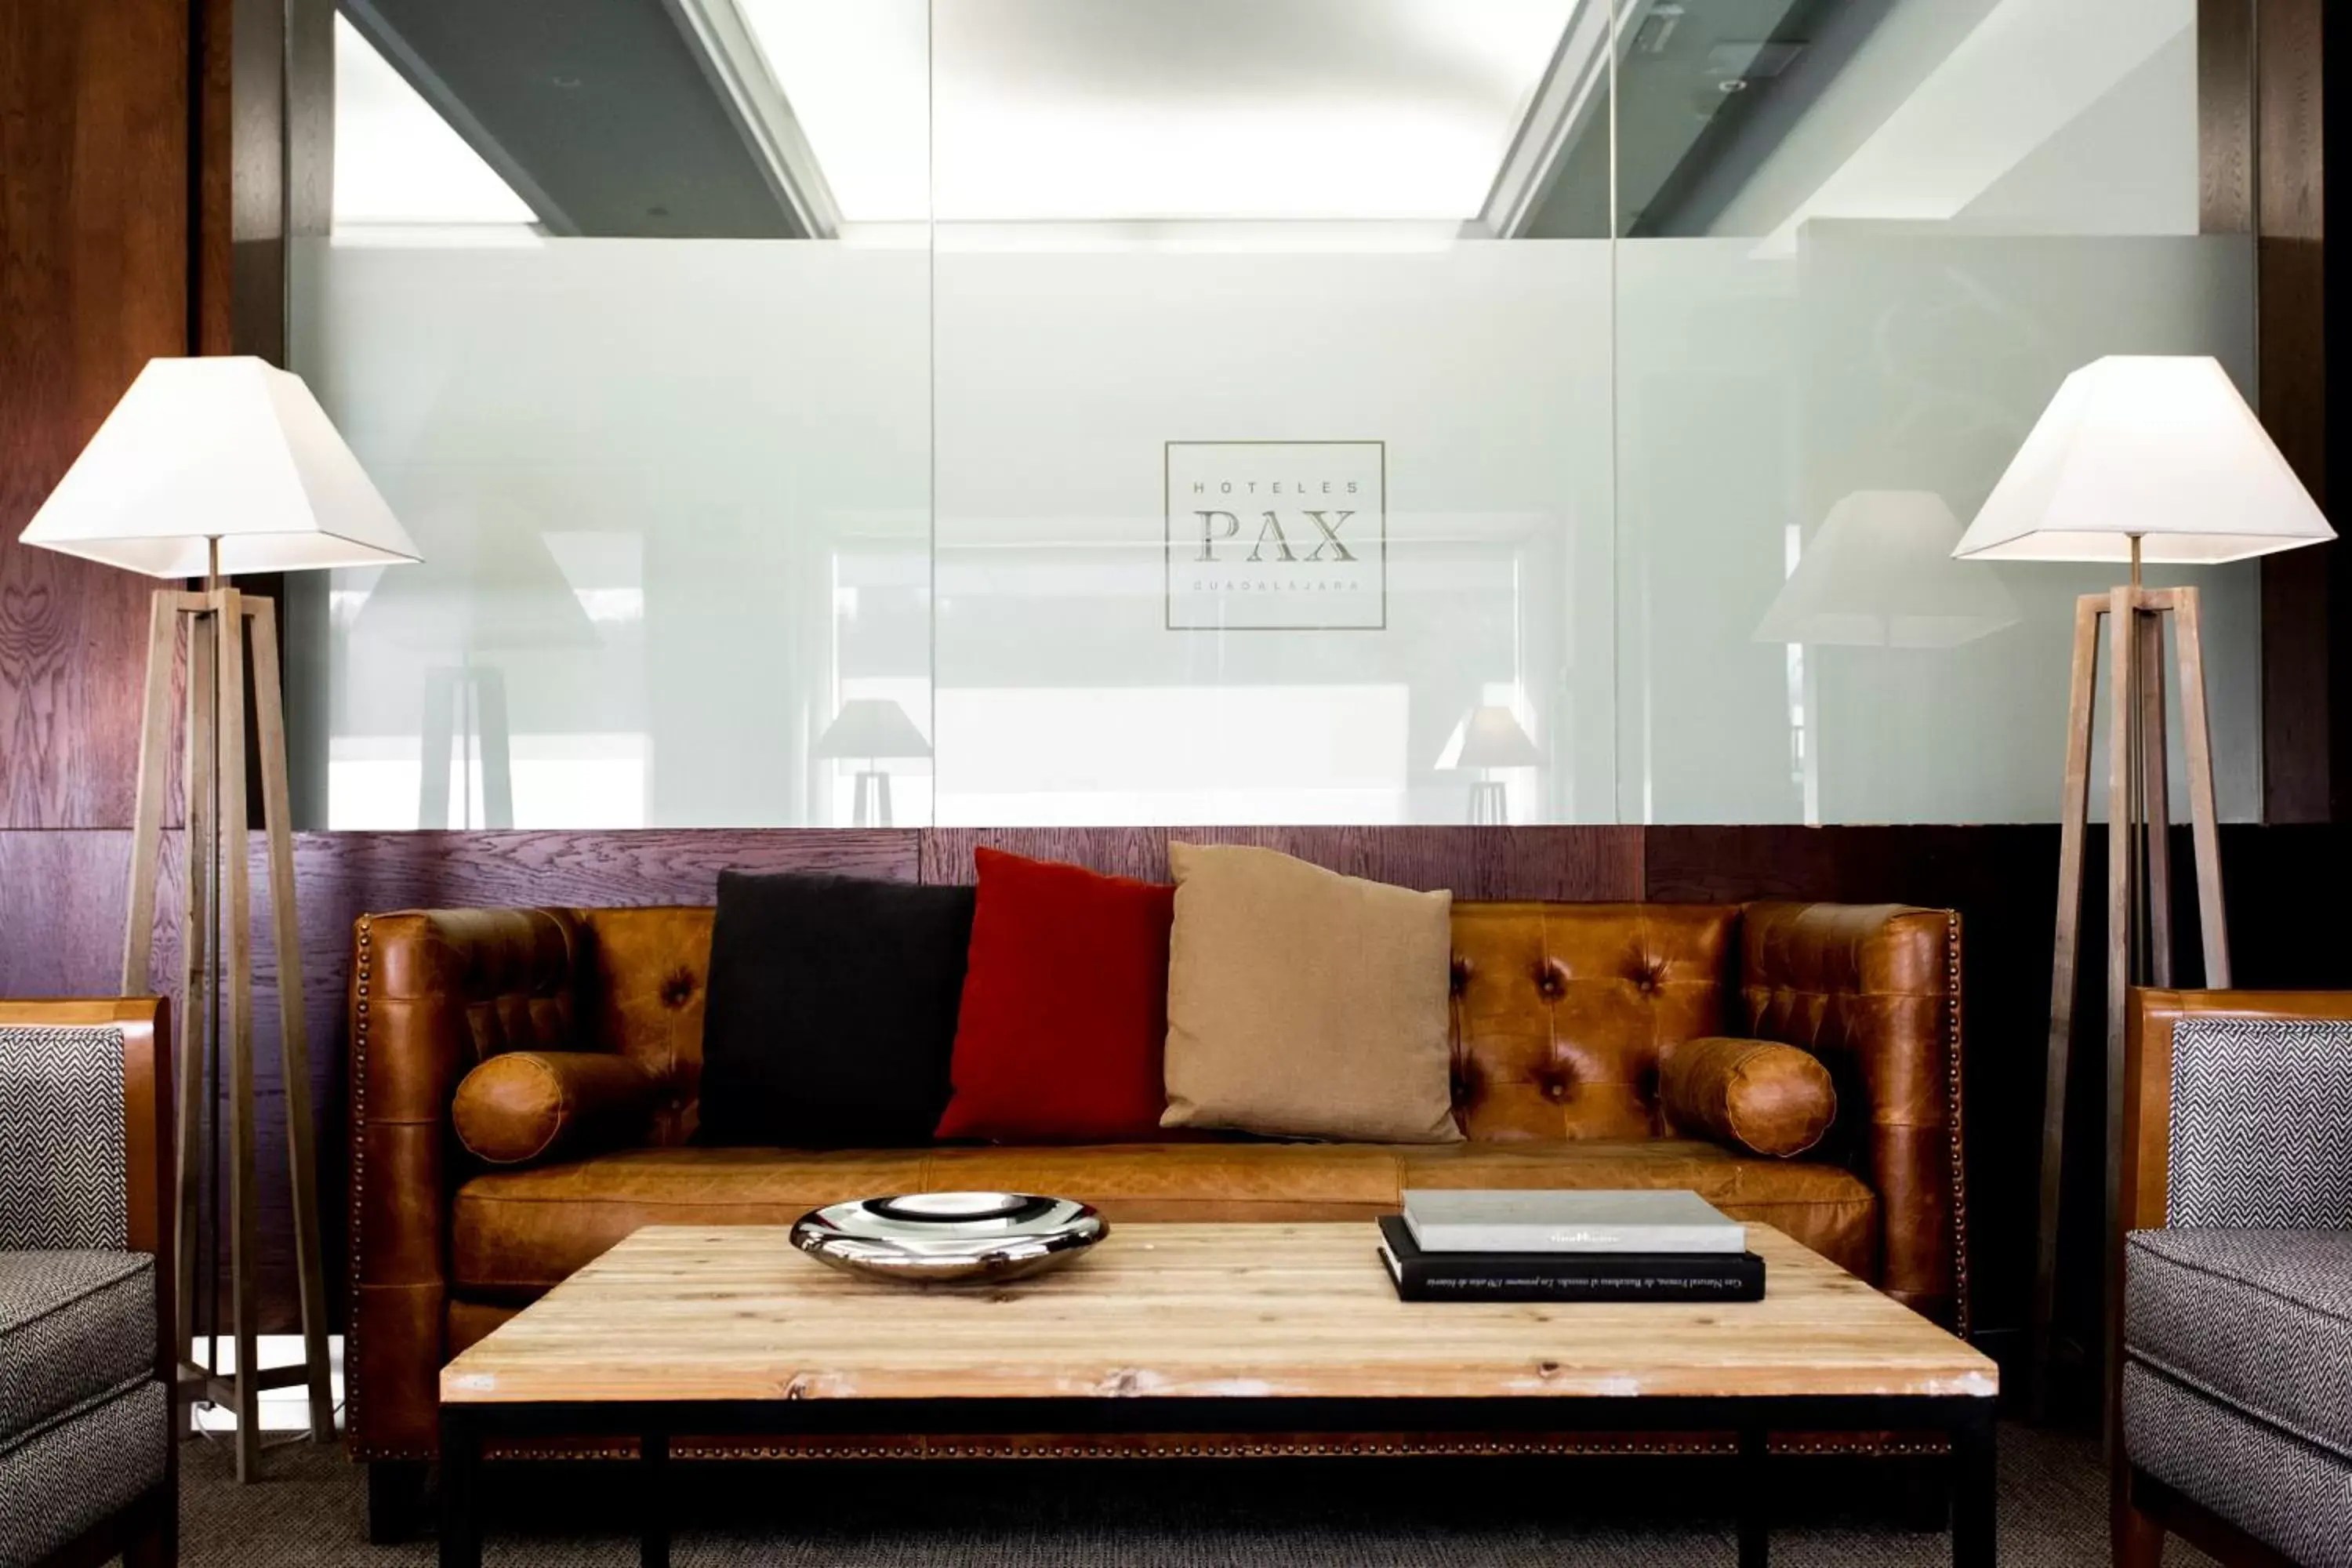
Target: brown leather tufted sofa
1561 1013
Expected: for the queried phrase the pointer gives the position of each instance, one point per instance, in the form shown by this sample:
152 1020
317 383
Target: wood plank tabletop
1239 1310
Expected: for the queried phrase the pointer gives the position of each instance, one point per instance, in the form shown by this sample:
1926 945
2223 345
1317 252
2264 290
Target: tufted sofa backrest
1560 1011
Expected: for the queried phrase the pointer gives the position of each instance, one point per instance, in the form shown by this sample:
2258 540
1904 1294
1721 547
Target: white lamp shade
2159 446
1489 738
871 728
1879 573
230 448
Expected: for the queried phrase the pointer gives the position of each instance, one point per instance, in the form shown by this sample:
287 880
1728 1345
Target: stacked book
1567 1246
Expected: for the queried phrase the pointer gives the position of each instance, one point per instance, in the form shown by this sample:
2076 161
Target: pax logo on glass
1276 535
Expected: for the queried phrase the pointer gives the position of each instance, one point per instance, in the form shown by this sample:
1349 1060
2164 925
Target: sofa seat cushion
513 1234
516 1233
73 1326
2259 1320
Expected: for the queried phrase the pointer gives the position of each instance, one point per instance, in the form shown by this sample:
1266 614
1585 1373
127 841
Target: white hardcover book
1551 1221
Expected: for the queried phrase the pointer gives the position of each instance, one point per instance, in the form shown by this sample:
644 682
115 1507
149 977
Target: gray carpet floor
311 1510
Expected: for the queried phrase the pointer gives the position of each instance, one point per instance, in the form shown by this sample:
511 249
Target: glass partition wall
824 412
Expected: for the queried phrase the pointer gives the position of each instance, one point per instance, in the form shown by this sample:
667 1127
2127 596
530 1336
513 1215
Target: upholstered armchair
89 1467
2232 1372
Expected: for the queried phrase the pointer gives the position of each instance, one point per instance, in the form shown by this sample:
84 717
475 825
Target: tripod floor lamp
210 467
2138 460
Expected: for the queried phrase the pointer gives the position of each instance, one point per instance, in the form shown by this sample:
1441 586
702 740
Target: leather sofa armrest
1874 991
523 1108
431 994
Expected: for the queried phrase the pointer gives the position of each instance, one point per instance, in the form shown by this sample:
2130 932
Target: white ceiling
2025 72
396 159
1075 110
1381 114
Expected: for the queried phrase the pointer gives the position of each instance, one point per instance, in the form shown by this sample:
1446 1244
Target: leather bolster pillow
1759 1095
521 1106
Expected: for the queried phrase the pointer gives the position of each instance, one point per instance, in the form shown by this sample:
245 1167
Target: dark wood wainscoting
1588 864
62 901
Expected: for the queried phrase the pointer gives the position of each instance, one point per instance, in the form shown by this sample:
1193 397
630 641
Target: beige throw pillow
1305 1004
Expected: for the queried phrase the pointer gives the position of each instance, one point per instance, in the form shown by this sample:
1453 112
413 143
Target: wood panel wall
2262 90
142 212
95 222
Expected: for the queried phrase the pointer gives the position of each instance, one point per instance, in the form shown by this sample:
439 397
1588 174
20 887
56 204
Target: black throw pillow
832 1011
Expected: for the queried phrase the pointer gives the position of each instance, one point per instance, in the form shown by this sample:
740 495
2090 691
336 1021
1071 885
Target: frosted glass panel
1230 410
673 498
1261 463
1857 328
1131 497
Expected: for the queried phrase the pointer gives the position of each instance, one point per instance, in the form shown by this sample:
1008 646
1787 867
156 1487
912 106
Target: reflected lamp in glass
1879 573
1487 739
872 730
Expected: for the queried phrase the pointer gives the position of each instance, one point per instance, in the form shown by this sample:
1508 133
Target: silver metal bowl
936 1238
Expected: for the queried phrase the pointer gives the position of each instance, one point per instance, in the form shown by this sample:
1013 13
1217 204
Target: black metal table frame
468 1429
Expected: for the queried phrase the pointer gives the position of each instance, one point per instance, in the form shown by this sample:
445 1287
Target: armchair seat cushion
73 1326
516 1233
2259 1321
2290 1495
61 1478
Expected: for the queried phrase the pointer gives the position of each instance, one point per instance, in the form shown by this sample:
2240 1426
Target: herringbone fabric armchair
2232 1377
88 1461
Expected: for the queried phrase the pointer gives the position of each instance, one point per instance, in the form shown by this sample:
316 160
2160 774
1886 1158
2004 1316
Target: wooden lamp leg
2126 769
147 821
200 1062
2073 815
236 947
2156 796
215 785
294 1054
2197 744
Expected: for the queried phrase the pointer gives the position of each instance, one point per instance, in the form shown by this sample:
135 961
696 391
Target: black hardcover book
1566 1275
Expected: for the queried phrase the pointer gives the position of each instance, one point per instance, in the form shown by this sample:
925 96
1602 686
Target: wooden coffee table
1175 1328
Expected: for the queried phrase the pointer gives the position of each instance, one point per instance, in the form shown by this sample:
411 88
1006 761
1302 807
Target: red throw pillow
1065 1007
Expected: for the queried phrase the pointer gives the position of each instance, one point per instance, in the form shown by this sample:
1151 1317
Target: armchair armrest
2243 1127
431 994
1874 991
